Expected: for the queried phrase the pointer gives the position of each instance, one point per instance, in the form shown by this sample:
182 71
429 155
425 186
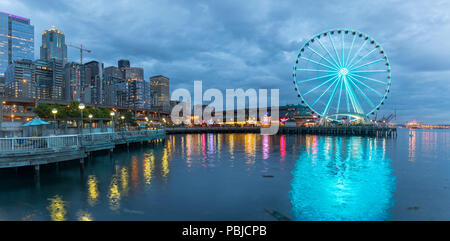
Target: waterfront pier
380 131
36 151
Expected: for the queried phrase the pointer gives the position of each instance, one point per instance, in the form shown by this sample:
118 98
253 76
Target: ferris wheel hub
343 71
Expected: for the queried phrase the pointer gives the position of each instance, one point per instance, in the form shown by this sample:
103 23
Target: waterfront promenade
35 151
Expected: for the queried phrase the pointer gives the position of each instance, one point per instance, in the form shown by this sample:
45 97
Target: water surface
238 176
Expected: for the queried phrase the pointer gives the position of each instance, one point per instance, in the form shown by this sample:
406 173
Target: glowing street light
122 118
90 123
54 111
112 114
81 106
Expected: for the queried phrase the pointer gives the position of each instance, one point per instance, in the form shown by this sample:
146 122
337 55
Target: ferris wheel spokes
357 53
334 64
367 64
339 98
361 92
367 78
351 48
335 51
330 79
327 66
315 78
318 98
343 47
329 54
317 70
371 71
370 88
355 103
325 112
362 58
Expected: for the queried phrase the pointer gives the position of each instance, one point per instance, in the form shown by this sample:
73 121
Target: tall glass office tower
54 45
16 40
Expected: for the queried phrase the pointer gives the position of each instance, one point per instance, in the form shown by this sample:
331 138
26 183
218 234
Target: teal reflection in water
339 178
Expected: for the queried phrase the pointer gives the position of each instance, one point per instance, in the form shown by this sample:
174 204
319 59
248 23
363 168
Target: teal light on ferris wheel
342 72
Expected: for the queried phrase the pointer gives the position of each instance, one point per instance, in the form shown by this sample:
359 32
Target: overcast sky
253 44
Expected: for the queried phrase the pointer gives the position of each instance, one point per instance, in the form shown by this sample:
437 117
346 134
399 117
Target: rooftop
15 16
53 29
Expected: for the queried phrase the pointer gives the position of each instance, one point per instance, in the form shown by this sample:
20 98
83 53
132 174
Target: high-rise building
74 81
54 45
147 99
160 92
2 86
94 76
115 90
114 72
122 94
20 81
135 87
16 40
123 63
49 77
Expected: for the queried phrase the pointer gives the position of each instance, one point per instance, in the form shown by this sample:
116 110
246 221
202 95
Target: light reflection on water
342 179
114 194
57 208
93 193
221 177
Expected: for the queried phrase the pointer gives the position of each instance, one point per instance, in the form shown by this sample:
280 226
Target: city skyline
255 44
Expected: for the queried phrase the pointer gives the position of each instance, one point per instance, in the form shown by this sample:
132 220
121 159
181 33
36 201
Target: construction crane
81 51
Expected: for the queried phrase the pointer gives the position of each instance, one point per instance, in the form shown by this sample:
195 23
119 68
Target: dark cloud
253 44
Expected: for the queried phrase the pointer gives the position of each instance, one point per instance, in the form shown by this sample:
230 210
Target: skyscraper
20 81
115 91
147 102
94 76
54 45
49 77
2 87
123 63
135 87
160 92
74 80
16 40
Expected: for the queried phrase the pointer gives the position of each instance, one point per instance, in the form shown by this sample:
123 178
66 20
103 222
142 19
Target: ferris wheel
342 74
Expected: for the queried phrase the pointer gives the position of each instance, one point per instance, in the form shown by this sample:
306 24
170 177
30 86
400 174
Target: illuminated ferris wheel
342 74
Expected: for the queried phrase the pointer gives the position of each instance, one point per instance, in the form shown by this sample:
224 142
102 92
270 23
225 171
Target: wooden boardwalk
35 151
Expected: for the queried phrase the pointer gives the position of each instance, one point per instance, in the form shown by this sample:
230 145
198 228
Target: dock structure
35 151
380 131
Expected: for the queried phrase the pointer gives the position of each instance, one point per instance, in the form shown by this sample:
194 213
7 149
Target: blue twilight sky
253 44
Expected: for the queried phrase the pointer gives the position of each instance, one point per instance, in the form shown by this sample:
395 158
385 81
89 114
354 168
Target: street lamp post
90 123
81 106
123 118
54 111
112 120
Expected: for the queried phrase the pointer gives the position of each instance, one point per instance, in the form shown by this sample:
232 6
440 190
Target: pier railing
23 144
16 144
